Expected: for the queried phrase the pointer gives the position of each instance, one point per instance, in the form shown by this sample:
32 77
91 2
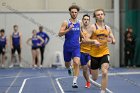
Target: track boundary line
7 90
94 82
25 80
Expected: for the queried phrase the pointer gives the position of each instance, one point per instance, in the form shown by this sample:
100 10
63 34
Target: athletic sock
75 79
102 91
70 71
70 68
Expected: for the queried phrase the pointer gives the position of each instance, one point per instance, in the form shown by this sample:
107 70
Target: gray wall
55 5
28 21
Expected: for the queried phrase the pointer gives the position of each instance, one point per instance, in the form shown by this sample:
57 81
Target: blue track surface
28 80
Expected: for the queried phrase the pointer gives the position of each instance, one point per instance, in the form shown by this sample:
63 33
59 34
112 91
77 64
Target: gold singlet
84 47
101 35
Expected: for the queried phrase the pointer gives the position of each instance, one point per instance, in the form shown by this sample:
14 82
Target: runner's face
40 29
100 16
73 13
34 32
2 33
86 21
16 28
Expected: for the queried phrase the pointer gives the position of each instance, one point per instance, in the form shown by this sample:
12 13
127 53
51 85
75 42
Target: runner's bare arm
111 36
89 39
64 28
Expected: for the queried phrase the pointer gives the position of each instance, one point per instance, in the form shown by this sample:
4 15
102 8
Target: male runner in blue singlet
71 49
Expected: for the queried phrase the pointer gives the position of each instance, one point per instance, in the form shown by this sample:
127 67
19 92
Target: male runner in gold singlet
101 35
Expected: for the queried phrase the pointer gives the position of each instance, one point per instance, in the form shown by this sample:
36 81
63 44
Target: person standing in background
35 44
129 41
3 46
46 39
16 45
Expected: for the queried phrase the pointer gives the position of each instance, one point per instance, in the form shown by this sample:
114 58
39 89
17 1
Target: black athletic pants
42 50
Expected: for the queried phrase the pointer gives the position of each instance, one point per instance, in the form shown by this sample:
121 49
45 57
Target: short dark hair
15 26
74 7
41 27
2 30
94 13
86 15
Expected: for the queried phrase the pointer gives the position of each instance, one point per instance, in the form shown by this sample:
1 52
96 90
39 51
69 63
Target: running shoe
88 85
11 66
70 71
74 85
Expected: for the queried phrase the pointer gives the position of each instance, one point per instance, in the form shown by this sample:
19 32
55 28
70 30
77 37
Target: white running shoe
2 66
102 91
11 66
41 66
20 65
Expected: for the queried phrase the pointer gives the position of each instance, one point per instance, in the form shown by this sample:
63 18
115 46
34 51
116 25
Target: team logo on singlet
102 36
75 28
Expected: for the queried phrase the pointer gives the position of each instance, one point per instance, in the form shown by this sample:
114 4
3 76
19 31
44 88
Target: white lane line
123 73
95 83
52 82
23 84
25 80
57 80
113 74
14 77
7 90
99 85
58 83
109 74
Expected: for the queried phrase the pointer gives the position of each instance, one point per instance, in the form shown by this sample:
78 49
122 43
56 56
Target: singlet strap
96 26
105 27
